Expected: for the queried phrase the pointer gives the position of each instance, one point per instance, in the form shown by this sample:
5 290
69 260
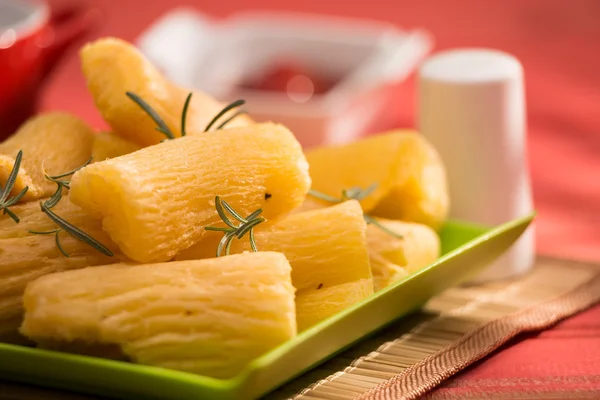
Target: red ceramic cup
32 40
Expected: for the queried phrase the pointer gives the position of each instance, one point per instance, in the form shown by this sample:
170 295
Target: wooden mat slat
431 346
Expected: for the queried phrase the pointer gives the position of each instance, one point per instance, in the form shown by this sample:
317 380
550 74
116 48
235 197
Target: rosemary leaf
12 177
217 228
184 113
231 106
167 133
254 214
323 196
233 213
351 193
76 232
367 192
55 198
14 200
64 175
252 241
224 243
44 232
357 193
57 240
162 126
221 212
63 183
5 200
248 226
228 120
228 245
373 221
12 215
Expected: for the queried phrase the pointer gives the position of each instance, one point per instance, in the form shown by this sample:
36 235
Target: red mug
32 40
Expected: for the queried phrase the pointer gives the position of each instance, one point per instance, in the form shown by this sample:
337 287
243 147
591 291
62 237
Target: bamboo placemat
415 354
455 329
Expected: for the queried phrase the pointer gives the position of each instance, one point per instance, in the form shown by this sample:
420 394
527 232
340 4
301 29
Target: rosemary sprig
5 200
231 106
356 193
162 127
55 198
63 225
184 113
56 238
232 231
73 231
63 183
228 120
373 221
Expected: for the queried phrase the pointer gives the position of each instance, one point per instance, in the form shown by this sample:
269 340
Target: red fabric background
560 363
558 42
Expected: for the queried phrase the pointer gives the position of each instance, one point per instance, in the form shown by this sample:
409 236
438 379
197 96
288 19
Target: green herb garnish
63 183
186 105
228 120
71 230
356 193
65 226
162 127
5 200
232 231
373 221
56 238
235 104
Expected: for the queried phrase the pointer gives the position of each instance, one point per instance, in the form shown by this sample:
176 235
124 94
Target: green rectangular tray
466 249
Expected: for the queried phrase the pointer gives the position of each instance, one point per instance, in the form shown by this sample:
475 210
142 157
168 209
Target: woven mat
454 330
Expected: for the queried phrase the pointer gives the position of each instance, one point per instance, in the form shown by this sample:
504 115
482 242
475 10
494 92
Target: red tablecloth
558 42
560 363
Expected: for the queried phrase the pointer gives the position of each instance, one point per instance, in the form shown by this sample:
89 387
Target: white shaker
472 109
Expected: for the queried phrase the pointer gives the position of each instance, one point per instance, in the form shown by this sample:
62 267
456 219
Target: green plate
466 250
